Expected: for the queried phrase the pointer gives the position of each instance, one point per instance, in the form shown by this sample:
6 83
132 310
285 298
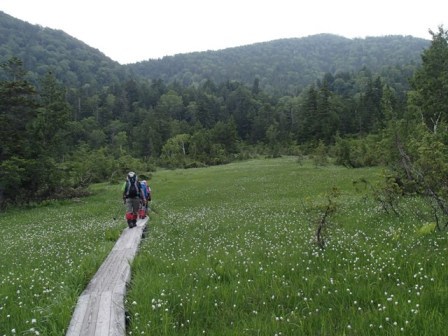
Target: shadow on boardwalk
100 308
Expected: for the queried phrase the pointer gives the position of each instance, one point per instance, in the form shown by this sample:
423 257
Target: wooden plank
103 321
78 316
118 319
90 319
100 308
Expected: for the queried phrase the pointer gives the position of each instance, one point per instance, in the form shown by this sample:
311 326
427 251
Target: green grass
48 255
230 251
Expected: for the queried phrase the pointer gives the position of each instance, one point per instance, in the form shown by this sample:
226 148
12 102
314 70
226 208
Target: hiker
146 190
132 197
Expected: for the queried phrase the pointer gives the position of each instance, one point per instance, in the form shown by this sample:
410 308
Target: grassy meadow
48 254
230 250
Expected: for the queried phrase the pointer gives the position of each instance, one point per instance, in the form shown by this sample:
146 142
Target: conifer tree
17 111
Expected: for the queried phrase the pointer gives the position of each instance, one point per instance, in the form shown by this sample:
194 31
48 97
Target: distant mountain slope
282 66
44 49
287 64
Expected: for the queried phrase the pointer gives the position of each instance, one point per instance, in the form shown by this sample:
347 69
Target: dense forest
70 116
43 50
287 66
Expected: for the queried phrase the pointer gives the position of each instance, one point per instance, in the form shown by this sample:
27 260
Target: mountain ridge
285 65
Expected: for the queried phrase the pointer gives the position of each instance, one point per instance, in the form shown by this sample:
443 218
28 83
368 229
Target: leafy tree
170 104
120 141
320 155
272 134
423 169
243 107
225 134
207 109
89 166
430 83
175 150
201 145
421 140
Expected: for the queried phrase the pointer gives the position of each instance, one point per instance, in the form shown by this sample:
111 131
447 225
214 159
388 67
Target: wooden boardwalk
100 308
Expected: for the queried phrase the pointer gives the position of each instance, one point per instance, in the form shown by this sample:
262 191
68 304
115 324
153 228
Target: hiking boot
130 223
134 223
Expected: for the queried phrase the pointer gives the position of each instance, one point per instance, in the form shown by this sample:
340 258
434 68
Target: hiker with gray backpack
132 198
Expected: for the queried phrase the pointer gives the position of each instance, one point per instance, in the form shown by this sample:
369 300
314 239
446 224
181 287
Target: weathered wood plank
100 308
91 318
78 316
104 318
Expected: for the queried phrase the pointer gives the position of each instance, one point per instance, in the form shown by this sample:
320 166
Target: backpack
132 188
144 188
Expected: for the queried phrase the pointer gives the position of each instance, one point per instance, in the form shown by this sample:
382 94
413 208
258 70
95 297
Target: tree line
56 140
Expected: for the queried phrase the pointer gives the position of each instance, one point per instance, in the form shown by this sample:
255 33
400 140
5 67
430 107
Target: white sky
137 30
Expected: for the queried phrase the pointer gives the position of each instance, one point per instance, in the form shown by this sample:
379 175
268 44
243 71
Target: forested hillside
44 50
70 116
289 65
284 66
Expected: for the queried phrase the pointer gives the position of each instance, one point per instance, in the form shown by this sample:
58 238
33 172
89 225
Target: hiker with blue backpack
146 190
133 196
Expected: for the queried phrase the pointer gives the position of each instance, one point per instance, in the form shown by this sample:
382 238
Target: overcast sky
136 30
